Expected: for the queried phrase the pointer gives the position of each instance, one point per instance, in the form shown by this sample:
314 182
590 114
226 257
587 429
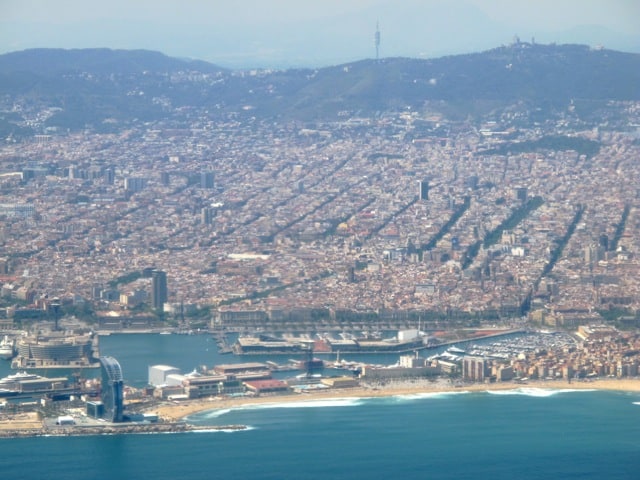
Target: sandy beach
20 421
178 411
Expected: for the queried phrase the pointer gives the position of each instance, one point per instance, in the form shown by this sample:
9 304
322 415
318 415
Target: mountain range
107 89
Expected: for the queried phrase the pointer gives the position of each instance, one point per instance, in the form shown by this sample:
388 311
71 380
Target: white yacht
6 348
16 377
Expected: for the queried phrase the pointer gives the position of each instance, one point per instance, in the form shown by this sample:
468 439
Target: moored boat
18 376
454 349
6 348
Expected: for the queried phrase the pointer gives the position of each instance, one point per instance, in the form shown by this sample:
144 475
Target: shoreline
180 411
175 415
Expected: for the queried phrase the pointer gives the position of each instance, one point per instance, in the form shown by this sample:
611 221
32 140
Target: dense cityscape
489 248
365 239
399 217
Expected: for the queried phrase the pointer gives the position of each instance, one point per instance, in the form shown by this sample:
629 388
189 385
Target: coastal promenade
172 412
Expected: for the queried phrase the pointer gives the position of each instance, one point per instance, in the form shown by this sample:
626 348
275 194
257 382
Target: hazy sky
313 32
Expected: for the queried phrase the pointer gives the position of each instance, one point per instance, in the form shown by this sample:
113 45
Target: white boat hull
6 354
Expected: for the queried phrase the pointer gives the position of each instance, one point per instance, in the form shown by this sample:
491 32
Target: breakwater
113 429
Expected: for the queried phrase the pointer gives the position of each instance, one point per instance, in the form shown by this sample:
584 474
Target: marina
506 349
364 343
237 382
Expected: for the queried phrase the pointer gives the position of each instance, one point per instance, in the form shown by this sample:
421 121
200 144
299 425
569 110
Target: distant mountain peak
52 61
92 85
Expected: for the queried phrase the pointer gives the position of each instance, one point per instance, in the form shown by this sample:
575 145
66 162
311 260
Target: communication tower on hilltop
377 40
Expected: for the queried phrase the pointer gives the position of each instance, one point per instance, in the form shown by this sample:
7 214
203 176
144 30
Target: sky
308 33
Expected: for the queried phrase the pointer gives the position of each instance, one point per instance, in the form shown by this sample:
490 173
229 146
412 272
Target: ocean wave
333 402
223 430
538 392
636 403
330 402
210 413
420 396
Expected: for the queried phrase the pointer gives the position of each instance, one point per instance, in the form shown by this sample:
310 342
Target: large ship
6 348
16 377
27 384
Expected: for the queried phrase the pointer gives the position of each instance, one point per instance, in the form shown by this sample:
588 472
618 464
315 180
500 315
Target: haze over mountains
285 33
108 88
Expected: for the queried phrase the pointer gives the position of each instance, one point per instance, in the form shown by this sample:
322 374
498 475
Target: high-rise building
352 274
603 241
111 389
109 176
134 184
159 289
21 210
207 179
423 190
474 369
206 215
96 291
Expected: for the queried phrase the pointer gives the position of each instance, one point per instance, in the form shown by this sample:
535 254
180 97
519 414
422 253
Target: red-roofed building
267 387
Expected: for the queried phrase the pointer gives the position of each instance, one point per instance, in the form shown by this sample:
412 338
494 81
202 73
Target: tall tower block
112 389
207 179
377 40
158 289
423 189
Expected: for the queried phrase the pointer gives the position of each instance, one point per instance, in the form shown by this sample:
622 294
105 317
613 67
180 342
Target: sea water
518 434
523 433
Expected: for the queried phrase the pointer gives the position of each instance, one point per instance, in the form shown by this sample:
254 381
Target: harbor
402 341
159 396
